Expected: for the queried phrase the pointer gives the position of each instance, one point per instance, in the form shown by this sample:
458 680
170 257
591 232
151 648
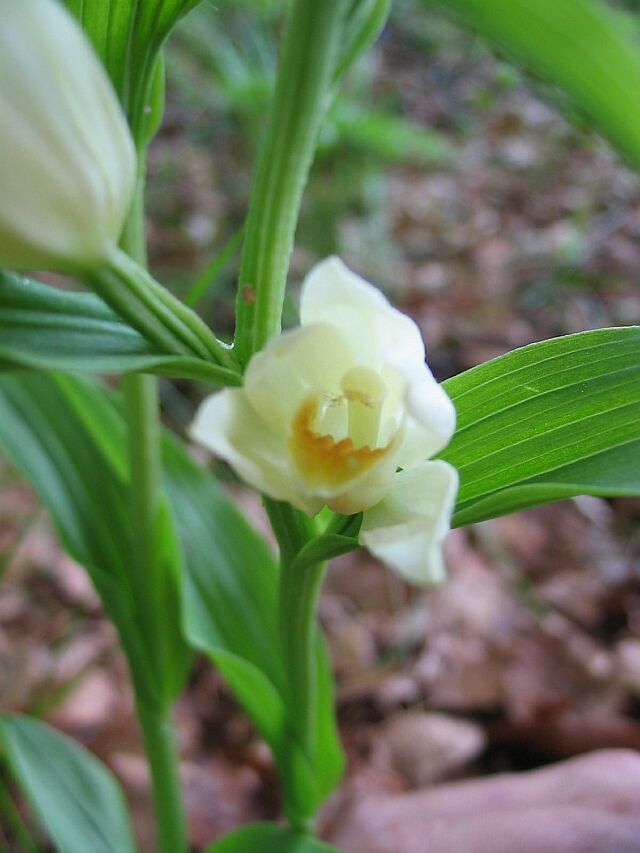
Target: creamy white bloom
67 161
332 409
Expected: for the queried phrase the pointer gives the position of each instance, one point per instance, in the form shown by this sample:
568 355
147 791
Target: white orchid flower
67 161
331 410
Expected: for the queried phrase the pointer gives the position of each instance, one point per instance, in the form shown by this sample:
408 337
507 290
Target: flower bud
67 160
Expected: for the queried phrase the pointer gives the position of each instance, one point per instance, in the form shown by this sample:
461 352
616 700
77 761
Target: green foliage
230 613
75 796
269 838
324 548
236 51
382 134
44 328
364 24
208 43
584 47
68 438
128 36
546 422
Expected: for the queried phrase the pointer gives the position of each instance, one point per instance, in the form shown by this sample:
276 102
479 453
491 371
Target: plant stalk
159 742
309 55
141 405
298 594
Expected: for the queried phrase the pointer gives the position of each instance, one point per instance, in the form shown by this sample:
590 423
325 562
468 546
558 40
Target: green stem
141 411
309 55
298 595
141 408
159 741
141 405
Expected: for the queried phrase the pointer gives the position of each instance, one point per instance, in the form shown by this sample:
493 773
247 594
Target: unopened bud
67 160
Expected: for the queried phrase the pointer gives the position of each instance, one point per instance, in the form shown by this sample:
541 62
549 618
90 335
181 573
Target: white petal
378 333
382 337
431 419
68 164
406 529
228 425
290 367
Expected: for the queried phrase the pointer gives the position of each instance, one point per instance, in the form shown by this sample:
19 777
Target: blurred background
465 190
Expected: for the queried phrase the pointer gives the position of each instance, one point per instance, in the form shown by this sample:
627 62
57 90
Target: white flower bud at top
329 413
67 160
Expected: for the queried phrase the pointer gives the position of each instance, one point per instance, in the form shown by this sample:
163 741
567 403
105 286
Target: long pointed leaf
548 421
75 796
67 437
584 47
43 328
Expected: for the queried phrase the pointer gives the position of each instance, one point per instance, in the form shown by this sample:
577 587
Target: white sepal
407 528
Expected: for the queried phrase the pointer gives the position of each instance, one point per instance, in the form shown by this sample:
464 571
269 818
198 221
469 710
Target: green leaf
230 613
269 838
366 21
44 328
584 47
388 136
67 437
324 548
75 796
546 422
128 36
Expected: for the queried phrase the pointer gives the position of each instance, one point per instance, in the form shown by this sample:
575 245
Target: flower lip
321 458
336 438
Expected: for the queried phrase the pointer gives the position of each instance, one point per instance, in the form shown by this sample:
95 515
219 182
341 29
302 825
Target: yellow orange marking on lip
322 459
